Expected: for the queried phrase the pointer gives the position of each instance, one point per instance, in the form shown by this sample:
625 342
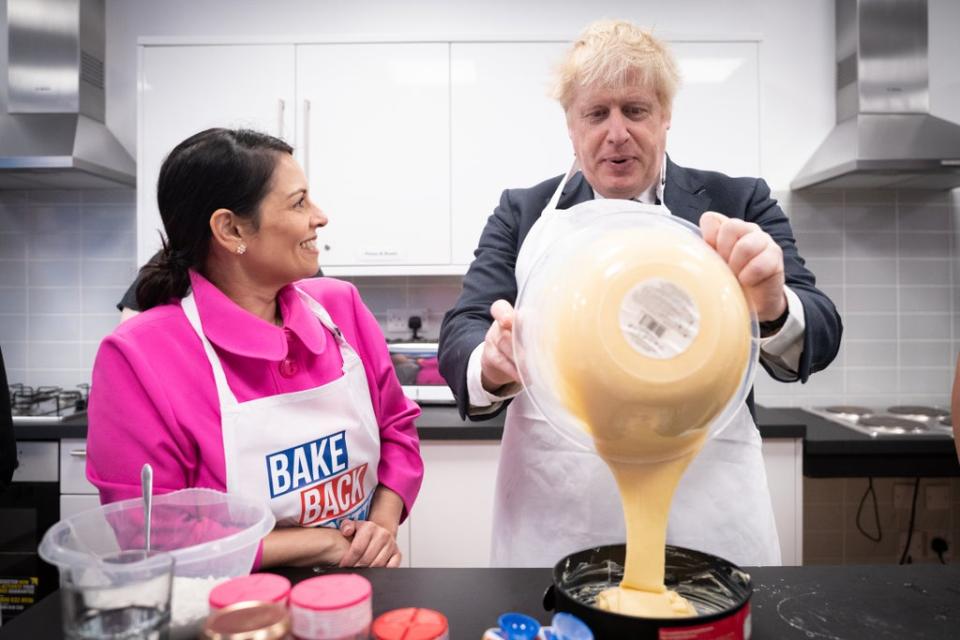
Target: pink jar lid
327 593
260 587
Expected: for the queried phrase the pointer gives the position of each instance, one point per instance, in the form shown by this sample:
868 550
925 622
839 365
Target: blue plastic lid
569 627
516 626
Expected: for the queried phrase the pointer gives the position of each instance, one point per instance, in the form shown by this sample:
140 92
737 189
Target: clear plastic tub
211 535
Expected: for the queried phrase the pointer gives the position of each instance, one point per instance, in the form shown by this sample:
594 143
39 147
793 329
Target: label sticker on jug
659 319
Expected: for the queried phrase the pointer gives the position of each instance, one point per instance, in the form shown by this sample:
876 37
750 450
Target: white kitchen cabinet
71 505
506 130
375 132
73 467
451 521
783 459
185 89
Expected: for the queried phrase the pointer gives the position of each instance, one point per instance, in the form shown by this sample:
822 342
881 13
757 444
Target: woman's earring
241 249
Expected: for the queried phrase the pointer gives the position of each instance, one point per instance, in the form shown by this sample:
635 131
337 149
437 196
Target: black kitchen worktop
829 450
438 422
789 603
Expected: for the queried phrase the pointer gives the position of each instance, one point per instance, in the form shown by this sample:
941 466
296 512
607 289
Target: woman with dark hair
242 376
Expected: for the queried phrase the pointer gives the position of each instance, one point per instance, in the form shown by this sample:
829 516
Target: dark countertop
789 603
830 450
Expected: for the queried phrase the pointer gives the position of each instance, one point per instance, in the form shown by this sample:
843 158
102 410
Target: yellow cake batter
650 338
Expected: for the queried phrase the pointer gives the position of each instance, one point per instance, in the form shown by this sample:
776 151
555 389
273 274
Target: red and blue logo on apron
330 491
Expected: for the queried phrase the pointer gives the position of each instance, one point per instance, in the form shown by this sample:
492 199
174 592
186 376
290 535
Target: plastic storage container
333 607
411 624
211 535
257 587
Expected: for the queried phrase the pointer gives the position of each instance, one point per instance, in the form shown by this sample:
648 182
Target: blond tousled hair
615 54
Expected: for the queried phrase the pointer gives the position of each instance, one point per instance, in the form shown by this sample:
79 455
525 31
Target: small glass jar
423 624
248 621
332 607
256 587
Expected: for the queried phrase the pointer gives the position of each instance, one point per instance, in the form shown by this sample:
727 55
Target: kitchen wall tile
112 196
88 354
814 217
919 299
871 380
925 217
14 218
930 326
15 376
924 197
13 197
13 299
871 271
828 271
854 197
101 299
55 327
13 273
925 245
861 299
109 245
925 399
96 327
109 218
109 273
379 299
53 273
55 246
822 517
65 378
13 246
822 490
820 546
819 244
55 300
926 380
55 196
870 245
14 356
54 219
54 355
13 328
870 217
926 353
871 353
925 272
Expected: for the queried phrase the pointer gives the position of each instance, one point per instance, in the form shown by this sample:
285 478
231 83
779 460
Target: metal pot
718 590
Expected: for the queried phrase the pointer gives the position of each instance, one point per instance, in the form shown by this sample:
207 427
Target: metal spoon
146 488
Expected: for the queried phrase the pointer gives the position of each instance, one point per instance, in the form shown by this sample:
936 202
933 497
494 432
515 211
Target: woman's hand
303 547
371 545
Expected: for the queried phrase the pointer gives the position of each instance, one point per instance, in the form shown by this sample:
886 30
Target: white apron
552 499
311 454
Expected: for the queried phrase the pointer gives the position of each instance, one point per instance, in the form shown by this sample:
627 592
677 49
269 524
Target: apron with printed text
311 454
553 499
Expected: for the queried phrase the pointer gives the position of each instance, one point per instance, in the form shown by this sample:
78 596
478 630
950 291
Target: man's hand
755 259
497 367
370 545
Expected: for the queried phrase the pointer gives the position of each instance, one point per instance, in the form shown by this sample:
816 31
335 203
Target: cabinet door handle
306 139
78 453
281 112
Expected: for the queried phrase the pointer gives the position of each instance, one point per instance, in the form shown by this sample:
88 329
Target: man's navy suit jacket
688 194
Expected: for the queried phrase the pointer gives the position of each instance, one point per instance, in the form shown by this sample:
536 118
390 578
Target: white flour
189 606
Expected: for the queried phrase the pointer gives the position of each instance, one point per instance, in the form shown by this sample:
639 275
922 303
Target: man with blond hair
616 86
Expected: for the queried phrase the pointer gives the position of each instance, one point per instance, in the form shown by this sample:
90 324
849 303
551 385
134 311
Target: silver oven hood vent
885 136
52 134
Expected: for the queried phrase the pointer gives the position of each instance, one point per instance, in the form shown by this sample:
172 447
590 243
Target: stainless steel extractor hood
52 109
885 136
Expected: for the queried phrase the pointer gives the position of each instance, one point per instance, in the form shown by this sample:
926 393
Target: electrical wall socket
902 495
397 320
937 496
931 554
